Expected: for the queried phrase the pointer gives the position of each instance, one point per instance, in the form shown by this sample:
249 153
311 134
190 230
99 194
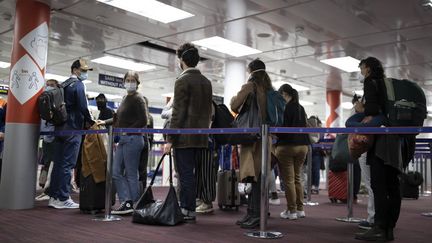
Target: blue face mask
83 76
48 88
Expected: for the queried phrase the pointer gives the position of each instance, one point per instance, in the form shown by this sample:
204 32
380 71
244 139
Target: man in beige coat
192 108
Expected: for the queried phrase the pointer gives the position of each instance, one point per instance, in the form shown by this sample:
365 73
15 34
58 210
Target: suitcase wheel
333 200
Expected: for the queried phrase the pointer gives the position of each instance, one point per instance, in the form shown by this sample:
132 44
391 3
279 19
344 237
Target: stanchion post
309 178
350 218
265 166
107 217
421 172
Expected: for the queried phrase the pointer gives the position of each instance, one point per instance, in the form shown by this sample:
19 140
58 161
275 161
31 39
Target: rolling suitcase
338 186
228 195
92 195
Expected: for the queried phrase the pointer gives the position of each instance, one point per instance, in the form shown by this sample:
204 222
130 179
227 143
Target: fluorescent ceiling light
347 105
299 88
305 103
123 63
347 64
151 9
222 45
4 64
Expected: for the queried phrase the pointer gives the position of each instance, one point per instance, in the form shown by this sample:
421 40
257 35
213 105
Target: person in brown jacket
192 108
250 155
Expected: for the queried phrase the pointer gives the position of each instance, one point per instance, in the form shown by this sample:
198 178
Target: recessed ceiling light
347 64
299 88
223 45
4 64
151 9
123 63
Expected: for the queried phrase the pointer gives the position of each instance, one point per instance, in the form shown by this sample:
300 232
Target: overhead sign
111 81
4 89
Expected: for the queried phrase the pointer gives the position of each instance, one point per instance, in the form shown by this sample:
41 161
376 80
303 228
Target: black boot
376 233
390 236
251 223
245 218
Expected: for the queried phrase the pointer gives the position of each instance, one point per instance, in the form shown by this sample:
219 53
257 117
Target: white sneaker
204 208
274 201
287 215
67 204
42 197
301 214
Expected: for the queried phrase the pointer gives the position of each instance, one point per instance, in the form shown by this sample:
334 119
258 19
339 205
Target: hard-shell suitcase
92 195
228 196
338 186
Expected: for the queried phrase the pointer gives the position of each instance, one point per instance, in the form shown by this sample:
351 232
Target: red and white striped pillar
333 98
28 64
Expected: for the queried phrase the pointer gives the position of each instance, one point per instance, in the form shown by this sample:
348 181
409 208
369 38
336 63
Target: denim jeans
316 166
355 121
186 161
125 167
66 150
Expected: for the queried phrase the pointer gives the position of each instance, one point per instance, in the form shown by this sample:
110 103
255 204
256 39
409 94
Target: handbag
157 212
249 117
359 144
340 155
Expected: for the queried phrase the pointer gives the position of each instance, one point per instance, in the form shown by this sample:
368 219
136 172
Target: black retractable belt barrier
349 218
107 217
265 164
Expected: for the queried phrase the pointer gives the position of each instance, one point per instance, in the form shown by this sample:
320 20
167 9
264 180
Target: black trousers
386 189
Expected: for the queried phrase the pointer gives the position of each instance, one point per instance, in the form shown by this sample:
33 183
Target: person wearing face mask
386 156
105 112
131 113
47 149
192 108
67 147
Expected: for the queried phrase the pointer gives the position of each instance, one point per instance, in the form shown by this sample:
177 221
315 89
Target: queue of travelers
191 107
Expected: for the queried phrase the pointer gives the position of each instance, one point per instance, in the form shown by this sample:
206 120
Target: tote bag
157 212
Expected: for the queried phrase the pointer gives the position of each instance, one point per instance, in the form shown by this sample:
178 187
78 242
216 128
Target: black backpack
51 105
222 119
405 103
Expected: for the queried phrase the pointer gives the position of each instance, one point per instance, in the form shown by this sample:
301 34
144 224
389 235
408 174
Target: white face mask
130 87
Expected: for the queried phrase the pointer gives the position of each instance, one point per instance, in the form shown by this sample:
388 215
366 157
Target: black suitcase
228 195
409 184
92 195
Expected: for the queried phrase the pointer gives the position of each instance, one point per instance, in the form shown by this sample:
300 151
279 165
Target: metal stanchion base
264 234
427 214
349 220
107 218
309 203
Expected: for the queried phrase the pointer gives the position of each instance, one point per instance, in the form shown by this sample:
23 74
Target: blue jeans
66 150
316 166
186 160
355 121
127 159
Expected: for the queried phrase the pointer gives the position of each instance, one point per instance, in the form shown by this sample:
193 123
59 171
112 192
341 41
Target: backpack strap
67 83
389 89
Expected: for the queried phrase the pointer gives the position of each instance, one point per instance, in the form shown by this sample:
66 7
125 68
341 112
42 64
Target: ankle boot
390 235
376 233
251 223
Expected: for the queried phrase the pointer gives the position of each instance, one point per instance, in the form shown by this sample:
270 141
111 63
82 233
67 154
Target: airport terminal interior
315 46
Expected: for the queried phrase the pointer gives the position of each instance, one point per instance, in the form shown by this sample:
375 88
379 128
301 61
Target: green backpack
405 103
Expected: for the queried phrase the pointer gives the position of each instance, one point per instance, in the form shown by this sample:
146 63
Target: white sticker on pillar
25 79
36 44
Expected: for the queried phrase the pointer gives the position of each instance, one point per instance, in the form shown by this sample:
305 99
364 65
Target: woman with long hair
250 154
